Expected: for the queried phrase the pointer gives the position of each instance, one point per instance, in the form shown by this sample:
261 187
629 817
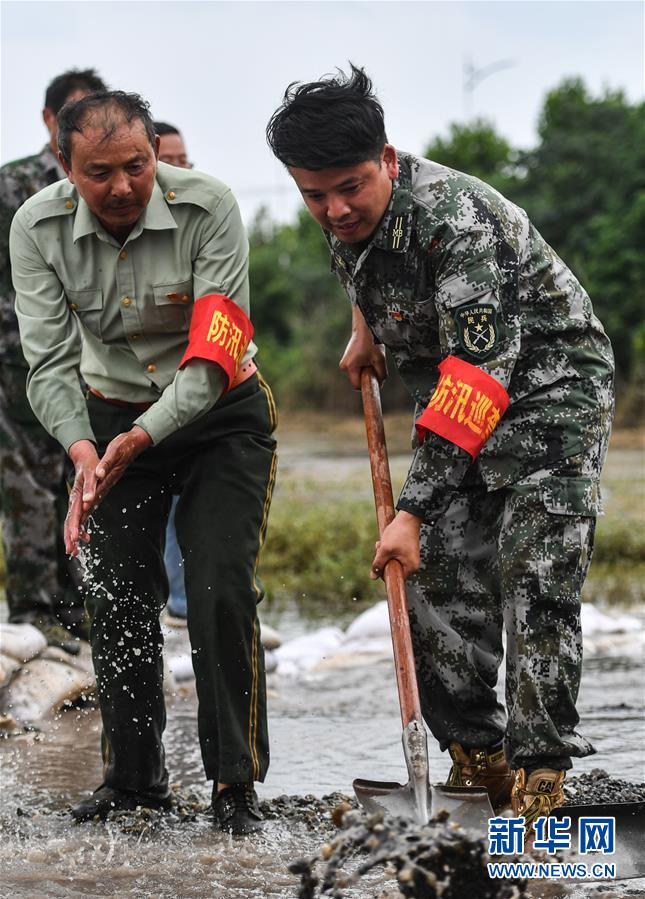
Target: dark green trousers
223 466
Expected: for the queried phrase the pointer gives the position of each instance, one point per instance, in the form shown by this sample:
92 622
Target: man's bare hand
119 454
399 540
362 352
94 478
83 494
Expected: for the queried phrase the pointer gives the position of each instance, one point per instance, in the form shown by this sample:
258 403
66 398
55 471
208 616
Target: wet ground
327 727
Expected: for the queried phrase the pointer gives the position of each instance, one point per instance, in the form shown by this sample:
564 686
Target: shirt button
126 301
171 195
69 204
151 368
135 336
73 307
185 298
123 254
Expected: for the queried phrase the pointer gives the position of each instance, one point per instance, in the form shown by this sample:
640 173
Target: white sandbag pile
36 681
367 640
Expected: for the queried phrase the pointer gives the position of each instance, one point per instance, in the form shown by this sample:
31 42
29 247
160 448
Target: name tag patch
396 313
477 329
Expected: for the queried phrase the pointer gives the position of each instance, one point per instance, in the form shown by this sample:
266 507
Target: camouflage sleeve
477 300
12 195
51 341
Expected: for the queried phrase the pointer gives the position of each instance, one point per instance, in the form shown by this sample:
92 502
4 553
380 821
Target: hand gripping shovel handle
406 677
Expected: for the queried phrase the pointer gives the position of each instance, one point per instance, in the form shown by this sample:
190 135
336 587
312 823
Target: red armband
219 331
466 406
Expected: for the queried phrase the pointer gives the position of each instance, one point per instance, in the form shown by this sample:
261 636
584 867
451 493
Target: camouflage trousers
33 502
514 559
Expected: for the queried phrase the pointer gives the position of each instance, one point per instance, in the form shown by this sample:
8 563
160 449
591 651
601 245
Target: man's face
114 175
173 151
349 201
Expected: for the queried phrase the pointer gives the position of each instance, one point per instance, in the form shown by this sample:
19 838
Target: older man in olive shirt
149 264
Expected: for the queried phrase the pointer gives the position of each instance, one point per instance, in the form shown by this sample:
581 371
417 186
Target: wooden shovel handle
406 676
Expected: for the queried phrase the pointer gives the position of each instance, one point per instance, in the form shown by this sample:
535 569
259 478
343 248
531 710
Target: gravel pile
317 814
597 787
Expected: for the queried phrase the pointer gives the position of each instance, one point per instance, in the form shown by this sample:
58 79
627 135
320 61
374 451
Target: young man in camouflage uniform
32 494
512 375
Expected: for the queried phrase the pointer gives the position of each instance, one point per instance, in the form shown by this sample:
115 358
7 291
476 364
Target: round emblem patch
477 329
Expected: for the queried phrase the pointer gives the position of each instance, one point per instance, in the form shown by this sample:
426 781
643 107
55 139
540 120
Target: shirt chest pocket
88 306
410 322
172 306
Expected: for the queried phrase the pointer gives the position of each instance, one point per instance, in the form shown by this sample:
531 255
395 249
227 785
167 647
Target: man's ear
67 168
49 118
391 161
157 145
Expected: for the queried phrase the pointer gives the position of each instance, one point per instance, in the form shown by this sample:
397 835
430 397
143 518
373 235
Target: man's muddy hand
94 478
119 454
83 493
399 540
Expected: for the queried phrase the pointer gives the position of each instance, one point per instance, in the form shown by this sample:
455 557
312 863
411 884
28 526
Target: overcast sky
218 69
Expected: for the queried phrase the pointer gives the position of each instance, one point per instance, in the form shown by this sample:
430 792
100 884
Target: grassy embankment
322 526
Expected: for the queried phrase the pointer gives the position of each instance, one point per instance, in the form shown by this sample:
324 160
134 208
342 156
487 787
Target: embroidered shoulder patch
477 329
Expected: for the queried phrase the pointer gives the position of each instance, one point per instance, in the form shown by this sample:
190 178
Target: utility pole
474 75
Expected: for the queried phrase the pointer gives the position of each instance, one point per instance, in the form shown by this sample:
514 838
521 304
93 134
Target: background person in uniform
172 150
149 263
513 378
33 498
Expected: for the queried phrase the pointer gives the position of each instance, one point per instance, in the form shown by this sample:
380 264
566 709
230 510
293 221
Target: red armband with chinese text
219 331
466 406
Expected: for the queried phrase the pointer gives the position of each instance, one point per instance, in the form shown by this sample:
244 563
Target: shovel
418 799
469 806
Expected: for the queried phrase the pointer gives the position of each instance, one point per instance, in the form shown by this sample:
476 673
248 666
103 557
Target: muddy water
326 727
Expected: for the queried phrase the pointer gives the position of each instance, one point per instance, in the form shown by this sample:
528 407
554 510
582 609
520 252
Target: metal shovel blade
419 800
629 849
468 806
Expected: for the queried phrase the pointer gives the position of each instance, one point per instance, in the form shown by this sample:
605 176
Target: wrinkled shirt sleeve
51 342
220 266
476 267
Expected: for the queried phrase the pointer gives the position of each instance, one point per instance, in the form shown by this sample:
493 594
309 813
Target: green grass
322 531
322 528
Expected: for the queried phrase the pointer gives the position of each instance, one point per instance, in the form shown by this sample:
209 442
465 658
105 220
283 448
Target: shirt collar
156 217
393 234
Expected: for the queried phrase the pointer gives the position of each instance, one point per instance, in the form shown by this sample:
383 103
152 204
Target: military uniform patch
398 232
477 329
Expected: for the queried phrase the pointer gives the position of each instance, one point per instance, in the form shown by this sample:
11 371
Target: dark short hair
162 128
63 85
73 116
336 121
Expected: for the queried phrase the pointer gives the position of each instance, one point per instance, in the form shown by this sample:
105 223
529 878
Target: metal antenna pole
474 75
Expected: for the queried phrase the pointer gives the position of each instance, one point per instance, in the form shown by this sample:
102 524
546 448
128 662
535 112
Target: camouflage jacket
19 180
455 269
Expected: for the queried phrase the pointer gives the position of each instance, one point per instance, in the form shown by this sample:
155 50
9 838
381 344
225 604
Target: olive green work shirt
120 314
